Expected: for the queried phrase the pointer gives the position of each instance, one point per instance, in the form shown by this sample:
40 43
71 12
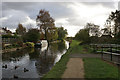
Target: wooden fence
109 52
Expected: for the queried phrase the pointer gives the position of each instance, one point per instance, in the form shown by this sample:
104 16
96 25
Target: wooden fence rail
109 49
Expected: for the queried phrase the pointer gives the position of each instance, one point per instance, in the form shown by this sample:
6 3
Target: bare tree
45 21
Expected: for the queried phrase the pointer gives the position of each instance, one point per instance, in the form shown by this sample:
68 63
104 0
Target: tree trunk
46 37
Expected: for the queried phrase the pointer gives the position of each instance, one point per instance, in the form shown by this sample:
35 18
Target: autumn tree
45 21
20 30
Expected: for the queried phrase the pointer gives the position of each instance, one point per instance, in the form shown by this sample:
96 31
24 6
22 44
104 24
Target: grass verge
79 49
96 68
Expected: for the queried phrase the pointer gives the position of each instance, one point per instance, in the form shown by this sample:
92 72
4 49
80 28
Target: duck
16 67
26 70
5 66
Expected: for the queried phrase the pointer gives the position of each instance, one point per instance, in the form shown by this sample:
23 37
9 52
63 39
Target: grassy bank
59 68
94 67
79 49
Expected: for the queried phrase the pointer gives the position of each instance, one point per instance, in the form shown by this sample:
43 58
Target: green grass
79 49
96 68
74 43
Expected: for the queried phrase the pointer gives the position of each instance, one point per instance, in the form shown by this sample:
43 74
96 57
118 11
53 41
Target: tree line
109 34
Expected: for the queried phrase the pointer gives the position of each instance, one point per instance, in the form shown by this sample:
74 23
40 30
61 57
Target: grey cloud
119 5
104 4
57 0
16 17
21 9
16 5
57 9
77 21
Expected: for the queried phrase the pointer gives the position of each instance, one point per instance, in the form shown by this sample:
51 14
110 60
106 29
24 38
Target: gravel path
75 69
75 66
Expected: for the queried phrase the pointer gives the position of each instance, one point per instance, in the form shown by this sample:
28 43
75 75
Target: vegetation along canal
32 62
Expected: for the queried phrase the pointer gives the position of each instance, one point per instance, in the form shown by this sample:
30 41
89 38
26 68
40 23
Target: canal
32 62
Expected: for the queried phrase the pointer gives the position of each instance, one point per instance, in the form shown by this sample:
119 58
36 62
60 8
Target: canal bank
15 47
11 50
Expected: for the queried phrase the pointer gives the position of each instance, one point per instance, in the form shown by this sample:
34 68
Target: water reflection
36 61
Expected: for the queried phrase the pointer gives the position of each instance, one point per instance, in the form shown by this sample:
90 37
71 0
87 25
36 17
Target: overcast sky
71 15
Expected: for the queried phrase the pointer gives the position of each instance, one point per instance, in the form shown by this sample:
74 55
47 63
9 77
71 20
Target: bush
33 35
30 44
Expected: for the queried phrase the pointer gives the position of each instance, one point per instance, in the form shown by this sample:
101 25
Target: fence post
111 52
116 47
95 48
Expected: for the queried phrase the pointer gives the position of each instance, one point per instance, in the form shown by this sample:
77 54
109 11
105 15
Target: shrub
30 44
33 35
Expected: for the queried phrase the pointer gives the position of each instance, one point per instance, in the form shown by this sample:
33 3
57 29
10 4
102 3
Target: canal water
32 62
